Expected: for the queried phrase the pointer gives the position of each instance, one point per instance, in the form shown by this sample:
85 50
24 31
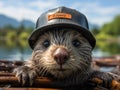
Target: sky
97 11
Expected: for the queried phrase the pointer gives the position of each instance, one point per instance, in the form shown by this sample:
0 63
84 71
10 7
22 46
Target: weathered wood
40 84
43 82
29 89
6 74
13 62
6 65
115 85
7 68
13 81
107 63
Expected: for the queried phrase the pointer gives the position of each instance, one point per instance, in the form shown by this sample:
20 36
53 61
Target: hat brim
39 31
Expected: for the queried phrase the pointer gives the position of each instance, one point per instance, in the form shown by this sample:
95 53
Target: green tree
95 31
112 28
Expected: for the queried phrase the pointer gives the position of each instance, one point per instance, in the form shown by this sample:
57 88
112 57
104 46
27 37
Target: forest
108 36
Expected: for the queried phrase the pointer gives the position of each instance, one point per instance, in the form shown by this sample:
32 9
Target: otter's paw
101 79
25 75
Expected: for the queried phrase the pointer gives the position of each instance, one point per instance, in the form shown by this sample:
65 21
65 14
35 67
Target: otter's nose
61 55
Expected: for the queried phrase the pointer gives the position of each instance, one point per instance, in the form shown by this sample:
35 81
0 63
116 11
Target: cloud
44 4
25 9
1 4
97 13
29 10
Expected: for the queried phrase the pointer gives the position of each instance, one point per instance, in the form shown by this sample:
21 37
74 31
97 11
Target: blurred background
18 18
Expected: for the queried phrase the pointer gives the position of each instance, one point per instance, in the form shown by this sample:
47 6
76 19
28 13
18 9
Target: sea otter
62 50
60 54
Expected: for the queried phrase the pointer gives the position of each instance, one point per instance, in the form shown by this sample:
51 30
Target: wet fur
42 63
78 64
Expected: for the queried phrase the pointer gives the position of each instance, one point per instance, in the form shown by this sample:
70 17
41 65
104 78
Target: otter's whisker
45 71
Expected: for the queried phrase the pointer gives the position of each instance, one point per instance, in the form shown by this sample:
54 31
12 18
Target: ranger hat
62 17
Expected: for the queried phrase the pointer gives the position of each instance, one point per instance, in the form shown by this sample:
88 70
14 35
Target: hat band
59 15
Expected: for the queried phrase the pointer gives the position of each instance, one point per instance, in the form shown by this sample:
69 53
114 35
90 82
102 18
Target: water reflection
19 49
14 49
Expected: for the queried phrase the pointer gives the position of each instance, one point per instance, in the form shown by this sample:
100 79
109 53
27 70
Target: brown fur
78 63
77 68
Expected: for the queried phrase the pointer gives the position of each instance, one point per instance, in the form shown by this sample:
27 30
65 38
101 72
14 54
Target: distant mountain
5 21
92 26
28 23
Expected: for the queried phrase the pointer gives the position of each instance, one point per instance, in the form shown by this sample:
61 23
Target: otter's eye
46 43
76 43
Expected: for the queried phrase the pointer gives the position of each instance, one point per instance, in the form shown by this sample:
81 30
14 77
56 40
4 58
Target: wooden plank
29 89
43 82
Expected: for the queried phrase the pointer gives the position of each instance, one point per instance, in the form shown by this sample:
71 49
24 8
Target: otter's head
62 52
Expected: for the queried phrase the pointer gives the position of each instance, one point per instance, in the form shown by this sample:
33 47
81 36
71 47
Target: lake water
13 51
14 54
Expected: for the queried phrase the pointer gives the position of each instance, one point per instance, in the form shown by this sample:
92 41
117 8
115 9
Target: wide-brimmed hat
61 17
